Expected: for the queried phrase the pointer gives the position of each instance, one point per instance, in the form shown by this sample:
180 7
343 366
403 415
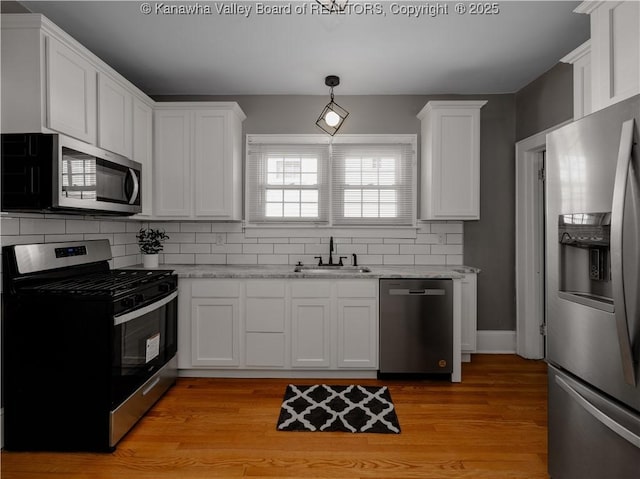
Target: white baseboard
496 342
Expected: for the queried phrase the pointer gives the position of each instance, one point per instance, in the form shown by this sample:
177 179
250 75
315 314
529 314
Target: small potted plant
150 241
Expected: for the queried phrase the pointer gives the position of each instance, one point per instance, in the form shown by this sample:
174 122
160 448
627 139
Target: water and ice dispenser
585 259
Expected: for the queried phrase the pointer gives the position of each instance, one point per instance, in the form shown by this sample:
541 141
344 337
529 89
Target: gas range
87 350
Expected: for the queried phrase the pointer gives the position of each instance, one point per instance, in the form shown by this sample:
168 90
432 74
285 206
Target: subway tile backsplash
438 243
34 228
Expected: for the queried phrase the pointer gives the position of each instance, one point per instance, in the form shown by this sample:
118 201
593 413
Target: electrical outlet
442 238
219 239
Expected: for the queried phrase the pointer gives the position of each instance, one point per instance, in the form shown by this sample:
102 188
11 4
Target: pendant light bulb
332 118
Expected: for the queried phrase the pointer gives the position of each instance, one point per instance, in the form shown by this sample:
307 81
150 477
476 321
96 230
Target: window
287 183
354 180
373 184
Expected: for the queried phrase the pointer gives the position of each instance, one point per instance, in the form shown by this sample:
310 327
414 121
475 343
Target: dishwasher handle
417 292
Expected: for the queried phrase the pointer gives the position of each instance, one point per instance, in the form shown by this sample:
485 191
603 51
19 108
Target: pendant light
333 115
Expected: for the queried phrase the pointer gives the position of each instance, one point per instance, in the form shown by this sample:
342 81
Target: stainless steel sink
332 269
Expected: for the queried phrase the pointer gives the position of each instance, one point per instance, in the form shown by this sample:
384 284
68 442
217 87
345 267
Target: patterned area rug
338 408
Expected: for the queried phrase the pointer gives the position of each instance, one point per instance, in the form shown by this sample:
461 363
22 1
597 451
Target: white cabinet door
357 333
143 150
469 315
71 92
310 332
172 166
115 129
615 50
450 163
213 179
215 331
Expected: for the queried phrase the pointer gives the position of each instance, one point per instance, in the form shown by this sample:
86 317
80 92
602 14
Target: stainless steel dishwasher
416 326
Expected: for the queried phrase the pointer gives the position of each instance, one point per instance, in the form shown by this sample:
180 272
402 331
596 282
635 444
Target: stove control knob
165 287
139 298
128 302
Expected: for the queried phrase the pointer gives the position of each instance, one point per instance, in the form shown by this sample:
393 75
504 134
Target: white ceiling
291 54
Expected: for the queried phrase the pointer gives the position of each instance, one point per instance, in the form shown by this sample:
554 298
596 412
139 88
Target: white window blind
287 183
372 184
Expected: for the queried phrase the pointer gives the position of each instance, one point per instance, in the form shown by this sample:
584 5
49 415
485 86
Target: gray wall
489 242
545 102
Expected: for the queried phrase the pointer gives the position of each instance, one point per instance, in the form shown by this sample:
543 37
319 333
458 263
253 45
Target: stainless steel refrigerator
593 297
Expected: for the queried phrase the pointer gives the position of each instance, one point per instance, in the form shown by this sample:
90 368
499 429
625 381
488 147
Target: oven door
144 340
96 179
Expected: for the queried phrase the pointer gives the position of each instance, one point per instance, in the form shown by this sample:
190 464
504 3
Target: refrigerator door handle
616 427
617 277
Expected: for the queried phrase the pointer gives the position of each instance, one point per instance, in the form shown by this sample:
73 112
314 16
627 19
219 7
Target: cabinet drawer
357 289
265 289
310 289
210 288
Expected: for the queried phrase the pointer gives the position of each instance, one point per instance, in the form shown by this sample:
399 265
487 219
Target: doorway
530 245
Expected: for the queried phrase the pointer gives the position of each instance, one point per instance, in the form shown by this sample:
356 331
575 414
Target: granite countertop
286 271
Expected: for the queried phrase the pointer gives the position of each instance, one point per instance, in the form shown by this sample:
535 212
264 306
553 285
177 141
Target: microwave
54 173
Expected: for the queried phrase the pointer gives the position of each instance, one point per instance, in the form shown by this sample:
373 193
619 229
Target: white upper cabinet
172 163
218 164
115 117
47 84
580 58
71 92
142 148
615 50
450 160
51 83
198 160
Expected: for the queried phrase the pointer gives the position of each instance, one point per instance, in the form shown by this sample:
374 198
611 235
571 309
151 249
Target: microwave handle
136 186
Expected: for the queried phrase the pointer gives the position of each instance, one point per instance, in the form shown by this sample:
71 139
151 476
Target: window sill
321 231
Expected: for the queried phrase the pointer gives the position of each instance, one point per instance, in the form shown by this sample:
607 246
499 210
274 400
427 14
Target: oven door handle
124 318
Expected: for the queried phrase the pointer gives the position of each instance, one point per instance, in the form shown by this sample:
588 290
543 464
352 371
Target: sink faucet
330 250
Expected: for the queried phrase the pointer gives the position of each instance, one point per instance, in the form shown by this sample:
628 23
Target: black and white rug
338 408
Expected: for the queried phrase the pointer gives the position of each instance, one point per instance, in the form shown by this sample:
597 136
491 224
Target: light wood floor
492 425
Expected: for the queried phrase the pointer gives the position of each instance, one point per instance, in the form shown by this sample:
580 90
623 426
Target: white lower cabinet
215 323
358 324
310 332
357 336
311 320
273 325
291 327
